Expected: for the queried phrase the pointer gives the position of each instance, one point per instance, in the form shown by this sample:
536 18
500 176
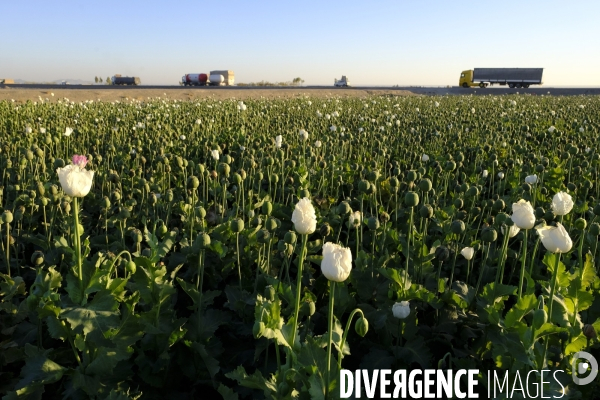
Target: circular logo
583 366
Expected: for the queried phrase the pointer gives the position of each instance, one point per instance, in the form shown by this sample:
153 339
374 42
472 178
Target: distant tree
108 81
99 80
96 79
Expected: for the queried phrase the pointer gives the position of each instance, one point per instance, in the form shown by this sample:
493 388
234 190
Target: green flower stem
550 303
330 337
410 228
502 261
7 249
298 288
553 286
535 248
468 271
77 238
523 256
345 334
482 268
399 337
237 245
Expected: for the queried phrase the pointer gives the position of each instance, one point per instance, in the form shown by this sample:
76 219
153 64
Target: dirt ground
24 94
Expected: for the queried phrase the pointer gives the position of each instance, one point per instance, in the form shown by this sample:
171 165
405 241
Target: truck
344 82
513 77
194 80
221 78
125 80
6 81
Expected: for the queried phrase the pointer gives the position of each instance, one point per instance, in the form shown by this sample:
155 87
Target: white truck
344 82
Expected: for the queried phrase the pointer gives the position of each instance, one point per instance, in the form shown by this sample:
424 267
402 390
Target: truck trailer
221 78
513 77
125 80
194 80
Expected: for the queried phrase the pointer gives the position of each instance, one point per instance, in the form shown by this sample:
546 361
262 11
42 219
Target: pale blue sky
373 43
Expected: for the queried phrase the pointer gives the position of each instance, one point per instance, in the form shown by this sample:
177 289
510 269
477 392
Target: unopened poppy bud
580 224
267 208
270 292
361 326
258 329
589 331
37 258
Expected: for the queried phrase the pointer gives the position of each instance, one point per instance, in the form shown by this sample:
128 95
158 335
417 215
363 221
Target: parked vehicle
513 77
194 80
7 81
344 82
125 80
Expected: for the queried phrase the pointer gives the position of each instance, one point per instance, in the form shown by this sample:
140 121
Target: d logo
582 367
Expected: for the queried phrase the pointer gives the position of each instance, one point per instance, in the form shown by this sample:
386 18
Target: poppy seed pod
7 217
457 227
442 253
411 199
363 186
267 208
499 205
594 229
193 182
290 237
472 191
458 203
425 185
450 166
372 176
237 225
344 208
426 211
373 223
411 176
271 224
263 236
202 240
224 169
489 235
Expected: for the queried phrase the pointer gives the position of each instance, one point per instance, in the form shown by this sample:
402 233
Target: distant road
439 91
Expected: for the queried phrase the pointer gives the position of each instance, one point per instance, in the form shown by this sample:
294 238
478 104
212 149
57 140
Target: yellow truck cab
466 79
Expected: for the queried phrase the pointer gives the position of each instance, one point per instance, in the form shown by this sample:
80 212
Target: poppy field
166 249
